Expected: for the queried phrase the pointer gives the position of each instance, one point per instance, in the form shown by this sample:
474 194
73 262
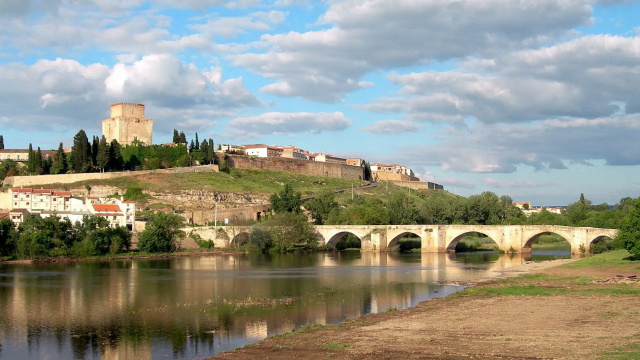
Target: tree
39 168
197 143
204 150
8 167
212 152
1 142
286 200
160 233
183 138
102 158
176 136
94 150
578 211
320 207
367 172
31 161
8 237
116 162
81 153
629 233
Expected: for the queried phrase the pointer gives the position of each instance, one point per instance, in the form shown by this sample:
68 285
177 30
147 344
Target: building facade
127 123
47 202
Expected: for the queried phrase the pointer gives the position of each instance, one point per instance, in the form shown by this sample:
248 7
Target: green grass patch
513 290
606 259
335 346
630 351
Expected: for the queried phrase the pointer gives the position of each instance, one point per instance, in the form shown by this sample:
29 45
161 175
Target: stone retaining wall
298 166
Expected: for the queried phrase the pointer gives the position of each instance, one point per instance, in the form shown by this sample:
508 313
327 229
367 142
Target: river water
195 307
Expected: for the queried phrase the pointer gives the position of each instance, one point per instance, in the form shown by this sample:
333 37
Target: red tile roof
106 208
22 190
4 216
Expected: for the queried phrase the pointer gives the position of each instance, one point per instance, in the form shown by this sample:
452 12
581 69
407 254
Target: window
54 199
15 196
27 203
15 204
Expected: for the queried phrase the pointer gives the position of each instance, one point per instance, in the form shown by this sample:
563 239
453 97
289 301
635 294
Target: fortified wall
419 185
127 123
32 181
298 166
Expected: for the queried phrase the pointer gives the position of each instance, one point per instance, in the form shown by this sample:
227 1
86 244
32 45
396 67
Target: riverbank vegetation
40 238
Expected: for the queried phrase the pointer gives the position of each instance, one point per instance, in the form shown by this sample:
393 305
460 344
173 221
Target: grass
238 180
629 351
606 259
335 346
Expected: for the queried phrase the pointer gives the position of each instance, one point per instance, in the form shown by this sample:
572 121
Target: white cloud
234 26
588 77
288 123
65 93
392 127
496 148
516 184
367 35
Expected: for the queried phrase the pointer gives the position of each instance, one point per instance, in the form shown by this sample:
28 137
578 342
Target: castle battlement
128 123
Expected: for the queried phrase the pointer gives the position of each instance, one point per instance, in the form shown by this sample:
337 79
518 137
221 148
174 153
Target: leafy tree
401 210
183 138
283 232
1 142
102 158
8 167
116 162
176 136
98 238
160 233
629 233
320 207
42 237
484 209
8 238
81 153
578 211
287 200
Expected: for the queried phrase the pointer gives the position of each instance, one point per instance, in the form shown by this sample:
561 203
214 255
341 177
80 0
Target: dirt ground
576 325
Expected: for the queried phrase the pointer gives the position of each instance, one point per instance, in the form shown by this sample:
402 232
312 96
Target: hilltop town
127 144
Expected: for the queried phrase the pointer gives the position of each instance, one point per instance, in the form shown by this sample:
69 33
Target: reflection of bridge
434 238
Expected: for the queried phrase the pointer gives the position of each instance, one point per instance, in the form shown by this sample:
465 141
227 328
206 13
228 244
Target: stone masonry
127 123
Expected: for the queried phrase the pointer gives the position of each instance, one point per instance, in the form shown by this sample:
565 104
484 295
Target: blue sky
539 100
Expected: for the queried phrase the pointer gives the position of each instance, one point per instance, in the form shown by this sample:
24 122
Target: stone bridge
434 238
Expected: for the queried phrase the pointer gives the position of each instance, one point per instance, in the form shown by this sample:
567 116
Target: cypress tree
192 145
31 161
116 161
183 138
94 150
38 161
212 152
59 165
204 150
1 142
176 137
102 157
197 144
81 152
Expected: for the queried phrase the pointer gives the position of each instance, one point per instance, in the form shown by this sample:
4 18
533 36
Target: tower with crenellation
127 123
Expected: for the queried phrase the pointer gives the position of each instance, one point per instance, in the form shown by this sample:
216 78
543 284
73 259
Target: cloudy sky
536 99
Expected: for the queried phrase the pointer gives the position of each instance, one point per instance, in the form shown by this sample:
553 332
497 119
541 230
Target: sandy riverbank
555 313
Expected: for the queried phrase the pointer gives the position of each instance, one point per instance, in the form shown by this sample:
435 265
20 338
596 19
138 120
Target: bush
135 194
161 233
629 234
283 233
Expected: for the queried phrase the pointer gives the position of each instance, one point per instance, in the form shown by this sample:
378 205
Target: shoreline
63 260
549 309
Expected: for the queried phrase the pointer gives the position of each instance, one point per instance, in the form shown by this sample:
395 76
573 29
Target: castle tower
127 123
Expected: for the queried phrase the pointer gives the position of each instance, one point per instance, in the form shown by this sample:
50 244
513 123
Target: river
195 307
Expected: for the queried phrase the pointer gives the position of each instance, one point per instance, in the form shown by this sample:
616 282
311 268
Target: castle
127 123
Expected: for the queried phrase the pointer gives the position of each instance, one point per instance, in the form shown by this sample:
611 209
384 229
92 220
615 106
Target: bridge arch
335 238
532 239
242 238
451 246
393 242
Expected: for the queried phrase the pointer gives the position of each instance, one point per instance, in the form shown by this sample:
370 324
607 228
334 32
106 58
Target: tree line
100 155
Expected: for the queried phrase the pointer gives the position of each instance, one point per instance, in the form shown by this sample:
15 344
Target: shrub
161 233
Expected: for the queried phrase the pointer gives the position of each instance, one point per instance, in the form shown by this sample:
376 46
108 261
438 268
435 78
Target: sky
535 99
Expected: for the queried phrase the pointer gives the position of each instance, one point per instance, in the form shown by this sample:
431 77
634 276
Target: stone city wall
32 181
238 215
418 185
298 166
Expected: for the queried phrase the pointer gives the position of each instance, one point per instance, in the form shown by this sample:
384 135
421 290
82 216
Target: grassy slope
239 181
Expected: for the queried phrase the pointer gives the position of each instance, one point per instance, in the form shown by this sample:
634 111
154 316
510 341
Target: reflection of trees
116 309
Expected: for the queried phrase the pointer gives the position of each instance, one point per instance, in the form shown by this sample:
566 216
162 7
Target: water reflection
195 307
